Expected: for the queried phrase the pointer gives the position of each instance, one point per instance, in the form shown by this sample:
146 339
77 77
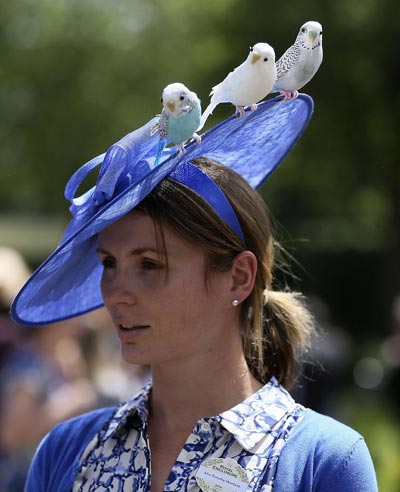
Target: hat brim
67 283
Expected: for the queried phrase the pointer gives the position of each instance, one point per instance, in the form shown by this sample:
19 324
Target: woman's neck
182 395
185 391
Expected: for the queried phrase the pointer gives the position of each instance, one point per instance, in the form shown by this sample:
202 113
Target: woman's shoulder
321 431
323 454
84 424
68 437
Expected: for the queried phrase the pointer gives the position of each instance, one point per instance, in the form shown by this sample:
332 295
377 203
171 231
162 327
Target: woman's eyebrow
134 252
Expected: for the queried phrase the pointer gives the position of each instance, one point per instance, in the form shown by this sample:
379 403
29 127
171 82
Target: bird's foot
253 107
239 111
181 148
197 138
289 95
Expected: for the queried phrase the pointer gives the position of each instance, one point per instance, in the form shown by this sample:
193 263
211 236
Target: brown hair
276 326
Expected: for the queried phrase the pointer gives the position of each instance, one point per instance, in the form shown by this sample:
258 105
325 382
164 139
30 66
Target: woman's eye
151 265
108 262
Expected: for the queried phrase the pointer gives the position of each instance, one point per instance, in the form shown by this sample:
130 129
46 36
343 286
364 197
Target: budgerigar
179 119
247 84
300 62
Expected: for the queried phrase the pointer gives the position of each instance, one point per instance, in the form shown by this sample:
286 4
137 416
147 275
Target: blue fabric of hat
67 284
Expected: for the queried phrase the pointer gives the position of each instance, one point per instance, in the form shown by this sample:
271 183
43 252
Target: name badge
222 475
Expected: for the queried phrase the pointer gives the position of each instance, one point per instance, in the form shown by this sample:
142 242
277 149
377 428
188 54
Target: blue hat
67 284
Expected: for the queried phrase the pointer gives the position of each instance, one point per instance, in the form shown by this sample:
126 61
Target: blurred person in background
13 462
43 378
182 256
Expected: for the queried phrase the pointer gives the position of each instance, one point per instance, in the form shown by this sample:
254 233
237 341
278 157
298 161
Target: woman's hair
276 326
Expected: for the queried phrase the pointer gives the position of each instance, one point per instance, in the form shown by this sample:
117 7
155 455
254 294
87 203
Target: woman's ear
244 269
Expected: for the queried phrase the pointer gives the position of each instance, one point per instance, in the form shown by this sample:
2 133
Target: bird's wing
215 89
154 129
221 90
163 125
287 61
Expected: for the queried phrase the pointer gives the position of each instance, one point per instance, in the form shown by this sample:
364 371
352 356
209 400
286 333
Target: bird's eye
303 29
265 59
320 33
161 99
182 98
251 49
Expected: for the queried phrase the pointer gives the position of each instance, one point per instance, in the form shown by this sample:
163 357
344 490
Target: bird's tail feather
210 108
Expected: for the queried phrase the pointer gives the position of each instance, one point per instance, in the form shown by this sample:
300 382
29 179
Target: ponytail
287 329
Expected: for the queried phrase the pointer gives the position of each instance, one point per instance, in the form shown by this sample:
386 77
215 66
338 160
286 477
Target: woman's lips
132 328
127 332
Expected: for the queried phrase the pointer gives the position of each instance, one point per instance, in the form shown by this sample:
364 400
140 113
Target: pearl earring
235 302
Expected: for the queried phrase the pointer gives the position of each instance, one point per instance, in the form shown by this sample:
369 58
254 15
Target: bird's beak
255 57
312 35
171 106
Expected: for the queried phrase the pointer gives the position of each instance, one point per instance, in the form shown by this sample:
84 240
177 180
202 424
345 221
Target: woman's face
162 317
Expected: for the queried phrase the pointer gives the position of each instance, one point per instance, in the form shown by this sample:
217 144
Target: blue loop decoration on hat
67 283
114 173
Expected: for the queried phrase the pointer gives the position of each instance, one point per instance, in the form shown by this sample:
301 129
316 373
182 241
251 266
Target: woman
186 274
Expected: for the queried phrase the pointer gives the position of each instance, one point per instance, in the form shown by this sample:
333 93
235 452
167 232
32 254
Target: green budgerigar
179 119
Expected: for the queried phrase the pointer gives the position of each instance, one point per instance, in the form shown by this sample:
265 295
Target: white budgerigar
179 118
298 65
248 84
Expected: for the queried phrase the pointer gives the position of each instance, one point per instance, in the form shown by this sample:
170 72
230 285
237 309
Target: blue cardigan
321 455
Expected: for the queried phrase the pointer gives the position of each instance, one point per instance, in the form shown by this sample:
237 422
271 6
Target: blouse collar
249 422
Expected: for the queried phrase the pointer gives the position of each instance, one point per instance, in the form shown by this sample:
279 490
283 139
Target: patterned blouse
250 435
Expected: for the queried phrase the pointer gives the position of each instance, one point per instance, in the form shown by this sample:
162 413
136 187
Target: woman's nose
116 289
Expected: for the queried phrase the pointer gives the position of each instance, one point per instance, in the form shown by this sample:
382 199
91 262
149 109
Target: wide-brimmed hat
67 284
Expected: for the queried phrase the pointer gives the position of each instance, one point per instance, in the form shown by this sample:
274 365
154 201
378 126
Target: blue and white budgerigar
247 84
179 119
298 65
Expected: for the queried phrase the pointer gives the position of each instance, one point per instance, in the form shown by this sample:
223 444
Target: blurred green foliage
75 76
